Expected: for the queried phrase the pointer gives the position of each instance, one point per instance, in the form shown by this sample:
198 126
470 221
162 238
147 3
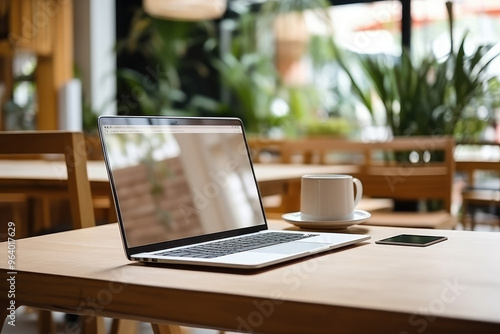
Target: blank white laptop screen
179 181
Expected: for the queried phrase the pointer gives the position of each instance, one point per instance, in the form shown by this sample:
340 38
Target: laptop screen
176 179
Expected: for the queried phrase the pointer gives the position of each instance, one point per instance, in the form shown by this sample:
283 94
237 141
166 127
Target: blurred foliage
427 97
249 72
167 82
251 87
330 127
431 97
288 6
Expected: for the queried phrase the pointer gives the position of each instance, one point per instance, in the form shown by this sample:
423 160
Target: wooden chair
71 145
476 196
317 151
104 208
323 150
411 169
264 150
386 174
74 147
485 198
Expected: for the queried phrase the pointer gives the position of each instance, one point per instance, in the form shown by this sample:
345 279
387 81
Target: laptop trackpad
291 248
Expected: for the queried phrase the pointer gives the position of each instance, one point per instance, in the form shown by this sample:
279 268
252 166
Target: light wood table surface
46 177
449 287
45 172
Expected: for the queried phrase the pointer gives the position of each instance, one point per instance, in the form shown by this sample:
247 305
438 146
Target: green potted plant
429 97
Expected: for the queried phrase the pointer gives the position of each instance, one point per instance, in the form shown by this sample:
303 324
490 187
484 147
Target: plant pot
292 39
193 10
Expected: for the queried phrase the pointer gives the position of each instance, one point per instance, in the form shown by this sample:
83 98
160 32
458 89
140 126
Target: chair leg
46 220
41 219
473 220
45 322
124 326
166 329
93 325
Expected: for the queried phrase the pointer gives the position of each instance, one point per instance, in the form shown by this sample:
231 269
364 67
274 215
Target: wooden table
45 181
45 177
285 180
45 172
450 287
48 176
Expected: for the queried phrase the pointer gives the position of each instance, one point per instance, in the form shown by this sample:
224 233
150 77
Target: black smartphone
411 240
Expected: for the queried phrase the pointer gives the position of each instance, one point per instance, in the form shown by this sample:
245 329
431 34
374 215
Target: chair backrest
323 150
94 148
265 150
405 168
478 158
410 168
72 146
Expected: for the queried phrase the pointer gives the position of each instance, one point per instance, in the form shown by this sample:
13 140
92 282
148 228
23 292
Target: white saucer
295 218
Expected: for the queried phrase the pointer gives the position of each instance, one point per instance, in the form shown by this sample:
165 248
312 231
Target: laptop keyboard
236 245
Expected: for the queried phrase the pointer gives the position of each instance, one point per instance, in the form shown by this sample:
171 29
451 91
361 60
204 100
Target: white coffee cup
329 197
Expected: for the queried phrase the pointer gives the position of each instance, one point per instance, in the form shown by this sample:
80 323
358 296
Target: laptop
185 193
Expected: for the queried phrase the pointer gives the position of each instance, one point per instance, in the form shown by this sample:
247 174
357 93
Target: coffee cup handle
359 190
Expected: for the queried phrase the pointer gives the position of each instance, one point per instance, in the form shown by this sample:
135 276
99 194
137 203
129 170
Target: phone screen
411 240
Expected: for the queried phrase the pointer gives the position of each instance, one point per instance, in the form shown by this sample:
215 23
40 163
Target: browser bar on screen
172 129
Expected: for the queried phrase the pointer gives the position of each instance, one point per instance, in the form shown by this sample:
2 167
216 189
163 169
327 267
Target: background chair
40 144
71 146
482 199
282 198
74 148
349 155
323 150
403 170
411 170
104 208
481 192
264 150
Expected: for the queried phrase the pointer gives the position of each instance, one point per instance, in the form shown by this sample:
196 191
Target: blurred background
362 70
288 68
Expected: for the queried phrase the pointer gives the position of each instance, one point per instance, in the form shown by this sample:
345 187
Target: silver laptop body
178 182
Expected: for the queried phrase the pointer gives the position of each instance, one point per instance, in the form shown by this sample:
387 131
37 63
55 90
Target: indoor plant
428 97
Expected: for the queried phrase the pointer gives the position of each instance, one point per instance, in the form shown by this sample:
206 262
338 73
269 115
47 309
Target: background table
45 178
51 173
